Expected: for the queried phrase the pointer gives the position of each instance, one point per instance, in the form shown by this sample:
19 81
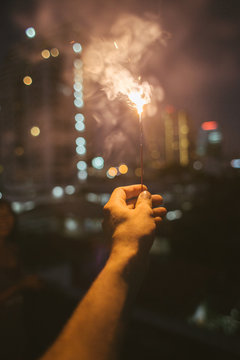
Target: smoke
116 62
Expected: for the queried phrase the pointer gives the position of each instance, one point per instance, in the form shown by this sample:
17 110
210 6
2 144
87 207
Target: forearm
93 330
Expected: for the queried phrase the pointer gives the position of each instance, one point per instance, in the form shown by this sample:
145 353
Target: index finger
124 193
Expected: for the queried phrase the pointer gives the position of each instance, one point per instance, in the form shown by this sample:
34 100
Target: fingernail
145 195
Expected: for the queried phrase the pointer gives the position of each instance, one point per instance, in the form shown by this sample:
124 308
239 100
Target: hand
131 217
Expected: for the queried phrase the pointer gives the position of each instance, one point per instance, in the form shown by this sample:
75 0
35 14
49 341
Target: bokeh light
123 169
98 162
57 191
81 150
79 126
82 175
35 131
54 52
30 32
70 189
112 172
80 141
82 165
45 54
27 80
77 48
79 117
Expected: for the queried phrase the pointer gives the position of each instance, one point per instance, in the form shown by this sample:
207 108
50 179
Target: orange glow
35 131
138 172
209 125
19 151
137 98
112 171
27 80
123 169
45 54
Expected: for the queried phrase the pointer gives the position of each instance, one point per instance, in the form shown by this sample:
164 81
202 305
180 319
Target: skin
93 331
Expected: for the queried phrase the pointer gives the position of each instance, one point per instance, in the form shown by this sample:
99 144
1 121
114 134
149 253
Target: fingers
144 198
126 192
159 212
157 200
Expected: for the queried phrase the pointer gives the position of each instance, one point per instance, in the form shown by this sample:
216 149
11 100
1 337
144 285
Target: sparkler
139 98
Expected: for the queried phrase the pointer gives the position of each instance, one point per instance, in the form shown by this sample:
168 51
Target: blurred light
54 52
77 86
155 154
71 224
200 315
235 163
138 172
79 126
215 137
19 151
29 205
27 80
91 197
82 175
197 165
35 131
78 103
104 198
78 94
81 150
123 169
174 215
112 172
209 125
45 54
16 206
80 141
70 189
82 165
77 48
57 191
78 64
1 195
79 117
30 32
169 109
98 162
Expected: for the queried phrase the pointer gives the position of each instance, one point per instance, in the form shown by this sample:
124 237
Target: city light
71 224
82 175
80 141
35 131
79 117
77 86
209 125
215 137
123 169
98 162
235 163
54 52
81 150
30 32
77 48
27 80
82 165
174 215
1 195
78 103
112 172
78 64
45 54
79 126
70 189
57 191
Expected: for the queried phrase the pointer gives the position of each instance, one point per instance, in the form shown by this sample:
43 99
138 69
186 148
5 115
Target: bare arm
92 332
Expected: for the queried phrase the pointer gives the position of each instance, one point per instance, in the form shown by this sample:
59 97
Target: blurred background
66 142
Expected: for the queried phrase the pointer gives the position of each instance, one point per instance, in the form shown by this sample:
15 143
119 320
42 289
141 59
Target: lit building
39 134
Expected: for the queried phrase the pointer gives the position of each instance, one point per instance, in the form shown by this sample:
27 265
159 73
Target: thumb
144 198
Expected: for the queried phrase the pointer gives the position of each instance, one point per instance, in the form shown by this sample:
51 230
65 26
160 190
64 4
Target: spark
115 44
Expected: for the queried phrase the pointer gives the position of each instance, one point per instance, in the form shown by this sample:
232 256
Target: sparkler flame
140 96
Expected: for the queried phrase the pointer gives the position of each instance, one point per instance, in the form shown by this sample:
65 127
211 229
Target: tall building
41 120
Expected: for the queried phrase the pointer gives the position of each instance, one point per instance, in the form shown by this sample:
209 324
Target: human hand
131 217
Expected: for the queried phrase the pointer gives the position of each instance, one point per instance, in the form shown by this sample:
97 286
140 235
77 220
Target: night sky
198 69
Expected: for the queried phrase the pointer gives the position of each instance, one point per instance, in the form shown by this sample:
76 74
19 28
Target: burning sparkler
140 97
